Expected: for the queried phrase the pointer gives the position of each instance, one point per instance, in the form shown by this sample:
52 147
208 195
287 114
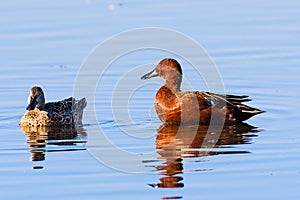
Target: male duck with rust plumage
175 106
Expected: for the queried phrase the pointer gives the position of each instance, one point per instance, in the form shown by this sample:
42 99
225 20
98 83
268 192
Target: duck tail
246 112
78 107
242 112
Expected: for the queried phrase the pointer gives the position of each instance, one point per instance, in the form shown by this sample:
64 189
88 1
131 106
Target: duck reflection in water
40 139
175 143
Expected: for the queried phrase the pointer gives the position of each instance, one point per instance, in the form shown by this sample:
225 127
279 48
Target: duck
67 112
174 106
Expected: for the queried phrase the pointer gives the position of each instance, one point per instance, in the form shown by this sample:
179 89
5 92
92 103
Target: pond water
255 48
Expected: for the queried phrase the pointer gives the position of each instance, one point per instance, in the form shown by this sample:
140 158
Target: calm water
255 46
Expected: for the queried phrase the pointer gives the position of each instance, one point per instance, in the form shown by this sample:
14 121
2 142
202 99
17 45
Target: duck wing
235 104
67 112
62 107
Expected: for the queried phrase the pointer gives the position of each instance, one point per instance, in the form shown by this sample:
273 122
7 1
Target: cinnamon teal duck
67 112
175 106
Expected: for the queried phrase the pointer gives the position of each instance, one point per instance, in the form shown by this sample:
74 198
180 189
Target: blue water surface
255 47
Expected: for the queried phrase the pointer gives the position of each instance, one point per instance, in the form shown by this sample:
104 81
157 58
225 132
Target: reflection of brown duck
38 138
175 143
175 106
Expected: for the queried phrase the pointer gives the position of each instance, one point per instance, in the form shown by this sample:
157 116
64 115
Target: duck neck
173 84
41 103
40 106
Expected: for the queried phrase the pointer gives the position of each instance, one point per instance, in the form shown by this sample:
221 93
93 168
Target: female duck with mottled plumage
67 112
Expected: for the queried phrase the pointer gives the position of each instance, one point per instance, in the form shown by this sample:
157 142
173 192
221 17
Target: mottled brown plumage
67 112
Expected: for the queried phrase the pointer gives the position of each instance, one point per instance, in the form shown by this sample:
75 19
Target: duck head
36 99
170 70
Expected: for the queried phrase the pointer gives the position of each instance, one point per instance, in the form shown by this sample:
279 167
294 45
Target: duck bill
151 74
32 104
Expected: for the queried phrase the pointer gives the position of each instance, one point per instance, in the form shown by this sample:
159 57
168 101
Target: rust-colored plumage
174 106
